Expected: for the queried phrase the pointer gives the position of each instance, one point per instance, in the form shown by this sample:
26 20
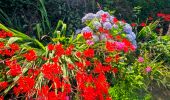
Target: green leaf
13 39
39 44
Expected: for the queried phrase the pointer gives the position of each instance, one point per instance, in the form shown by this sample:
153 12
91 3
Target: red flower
117 57
9 34
87 35
68 51
104 17
88 63
30 55
108 59
3 85
106 68
55 59
89 53
50 71
67 88
16 91
26 84
160 14
80 65
9 52
59 50
1 45
52 96
110 46
15 69
167 17
70 66
50 47
56 83
1 98
118 37
4 34
133 24
115 20
43 93
101 29
33 72
143 24
78 54
14 46
126 42
150 18
115 70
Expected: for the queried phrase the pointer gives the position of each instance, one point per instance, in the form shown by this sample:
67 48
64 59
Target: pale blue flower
133 34
88 16
127 28
99 13
78 31
86 29
107 25
130 37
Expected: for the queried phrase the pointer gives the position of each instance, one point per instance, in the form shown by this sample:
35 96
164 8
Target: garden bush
103 61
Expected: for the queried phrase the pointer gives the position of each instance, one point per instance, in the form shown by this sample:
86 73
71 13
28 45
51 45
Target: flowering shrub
103 26
90 67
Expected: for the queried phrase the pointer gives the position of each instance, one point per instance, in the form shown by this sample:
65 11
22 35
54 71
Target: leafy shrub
77 67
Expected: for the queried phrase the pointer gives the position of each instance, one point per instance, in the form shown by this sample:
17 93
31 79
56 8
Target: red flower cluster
3 85
102 30
4 34
87 35
66 73
25 85
143 24
115 20
1 98
15 68
92 88
166 17
8 50
51 71
30 55
104 17
59 50
133 24
125 45
89 53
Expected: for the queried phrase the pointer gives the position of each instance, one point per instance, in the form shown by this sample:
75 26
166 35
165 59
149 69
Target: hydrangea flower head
86 29
88 16
107 25
99 13
127 28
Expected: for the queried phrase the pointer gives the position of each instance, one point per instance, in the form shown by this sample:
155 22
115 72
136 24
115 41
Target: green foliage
22 38
156 45
30 16
135 10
